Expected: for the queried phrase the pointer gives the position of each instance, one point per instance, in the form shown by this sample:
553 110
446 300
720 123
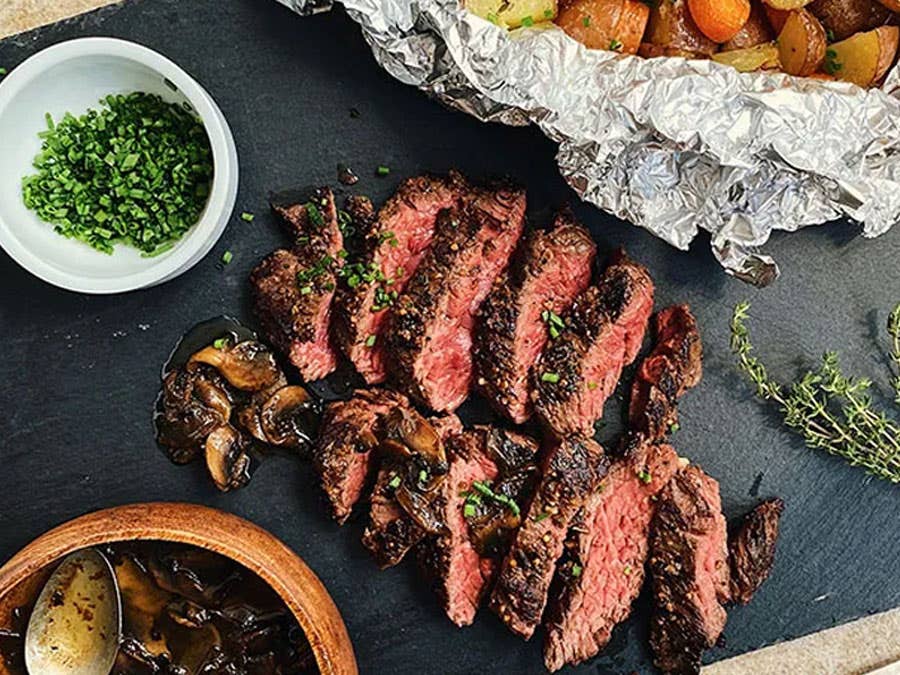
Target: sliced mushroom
192 404
227 459
408 434
289 417
420 506
248 365
248 416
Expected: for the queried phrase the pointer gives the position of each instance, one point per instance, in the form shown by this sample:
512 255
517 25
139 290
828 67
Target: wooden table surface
860 647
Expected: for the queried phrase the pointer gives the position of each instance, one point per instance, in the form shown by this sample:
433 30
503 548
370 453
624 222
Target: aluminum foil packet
669 144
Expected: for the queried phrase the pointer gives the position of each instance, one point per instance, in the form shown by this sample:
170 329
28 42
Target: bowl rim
223 195
224 533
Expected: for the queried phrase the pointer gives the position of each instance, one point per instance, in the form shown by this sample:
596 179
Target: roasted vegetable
719 20
616 25
864 58
843 18
760 57
672 29
756 31
513 13
802 43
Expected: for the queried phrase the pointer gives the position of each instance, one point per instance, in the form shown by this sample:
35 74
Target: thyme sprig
832 412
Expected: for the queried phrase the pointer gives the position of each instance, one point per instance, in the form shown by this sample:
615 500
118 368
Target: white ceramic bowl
72 77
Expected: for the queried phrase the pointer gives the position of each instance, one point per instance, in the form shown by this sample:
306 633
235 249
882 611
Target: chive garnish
227 257
383 170
469 510
247 217
576 570
370 341
220 343
552 378
644 476
485 489
394 482
528 21
586 21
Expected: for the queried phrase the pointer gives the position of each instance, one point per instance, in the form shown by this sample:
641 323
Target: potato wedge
802 43
757 31
758 57
672 28
513 13
616 25
864 58
843 18
719 20
787 5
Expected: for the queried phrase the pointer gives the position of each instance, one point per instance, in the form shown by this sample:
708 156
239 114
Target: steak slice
674 365
752 549
429 341
458 570
549 271
603 570
348 434
391 531
579 370
292 289
571 470
396 240
689 571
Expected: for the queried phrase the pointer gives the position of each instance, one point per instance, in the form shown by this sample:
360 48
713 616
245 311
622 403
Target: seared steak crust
603 568
689 571
349 434
391 531
604 329
395 242
458 573
674 365
292 290
429 340
752 549
571 470
548 272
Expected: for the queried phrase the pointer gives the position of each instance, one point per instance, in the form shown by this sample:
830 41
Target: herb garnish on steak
571 470
523 310
604 329
429 340
395 242
752 549
689 571
292 289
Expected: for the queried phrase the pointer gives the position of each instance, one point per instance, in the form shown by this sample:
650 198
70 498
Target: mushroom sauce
189 611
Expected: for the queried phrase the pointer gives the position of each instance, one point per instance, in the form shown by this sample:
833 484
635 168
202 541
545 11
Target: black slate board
79 374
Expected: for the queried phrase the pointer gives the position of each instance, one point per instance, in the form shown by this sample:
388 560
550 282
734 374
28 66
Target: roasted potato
757 31
758 57
513 13
787 5
719 20
865 57
843 18
802 43
616 25
672 28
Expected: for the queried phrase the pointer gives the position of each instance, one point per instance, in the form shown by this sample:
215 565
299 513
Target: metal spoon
76 624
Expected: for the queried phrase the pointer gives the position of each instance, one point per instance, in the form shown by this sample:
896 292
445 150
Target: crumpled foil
671 145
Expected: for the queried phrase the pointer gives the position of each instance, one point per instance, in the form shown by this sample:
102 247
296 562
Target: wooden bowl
25 574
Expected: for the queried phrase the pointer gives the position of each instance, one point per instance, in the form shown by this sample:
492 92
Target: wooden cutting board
859 647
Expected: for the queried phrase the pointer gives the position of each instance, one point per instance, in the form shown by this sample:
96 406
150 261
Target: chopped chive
548 13
528 21
675 426
394 482
592 385
423 475
627 570
3 72
370 341
576 570
644 476
227 257
552 378
486 490
542 516
220 343
586 21
469 510
383 170
247 217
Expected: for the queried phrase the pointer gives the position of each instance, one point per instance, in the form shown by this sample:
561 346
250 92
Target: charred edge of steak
674 365
404 227
465 239
601 576
549 270
752 549
343 455
571 470
689 568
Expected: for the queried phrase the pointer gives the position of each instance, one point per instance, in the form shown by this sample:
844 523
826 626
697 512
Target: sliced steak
292 289
396 240
429 341
457 567
579 370
605 554
571 470
348 434
752 549
689 571
391 531
524 308
674 365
